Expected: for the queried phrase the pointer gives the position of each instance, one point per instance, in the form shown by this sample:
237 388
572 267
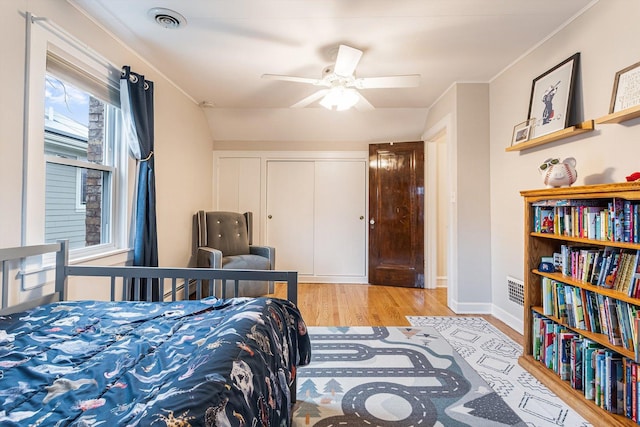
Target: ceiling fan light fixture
341 98
166 18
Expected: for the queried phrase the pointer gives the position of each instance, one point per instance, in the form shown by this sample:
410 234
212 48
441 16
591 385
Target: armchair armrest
209 257
264 251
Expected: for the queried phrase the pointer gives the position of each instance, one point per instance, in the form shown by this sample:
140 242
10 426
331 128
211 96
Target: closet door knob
269 216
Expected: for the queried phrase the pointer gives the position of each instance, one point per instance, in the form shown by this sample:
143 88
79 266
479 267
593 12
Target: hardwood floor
330 304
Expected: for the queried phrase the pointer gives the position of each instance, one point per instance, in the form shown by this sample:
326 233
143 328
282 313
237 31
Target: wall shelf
583 127
620 116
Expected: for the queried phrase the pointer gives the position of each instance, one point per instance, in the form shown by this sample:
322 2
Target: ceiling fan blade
310 99
346 60
316 82
363 104
410 80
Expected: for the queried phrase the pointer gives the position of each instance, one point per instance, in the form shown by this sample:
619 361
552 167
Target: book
604 324
626 366
578 308
615 334
576 372
618 370
546 220
599 357
564 359
612 269
633 276
547 297
625 324
560 305
568 297
597 265
589 370
626 222
634 389
617 214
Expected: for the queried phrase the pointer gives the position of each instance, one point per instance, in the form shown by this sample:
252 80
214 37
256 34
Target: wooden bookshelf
538 245
583 127
620 116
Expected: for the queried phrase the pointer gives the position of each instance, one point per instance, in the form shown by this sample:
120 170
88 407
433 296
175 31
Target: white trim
78 163
447 125
470 307
442 282
353 280
510 320
39 40
430 210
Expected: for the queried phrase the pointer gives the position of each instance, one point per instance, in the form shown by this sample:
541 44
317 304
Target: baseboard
470 308
332 279
508 319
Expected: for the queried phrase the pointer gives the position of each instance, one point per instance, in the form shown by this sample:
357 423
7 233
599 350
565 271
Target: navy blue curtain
136 95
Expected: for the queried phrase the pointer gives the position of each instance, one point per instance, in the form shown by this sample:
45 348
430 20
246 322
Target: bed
206 361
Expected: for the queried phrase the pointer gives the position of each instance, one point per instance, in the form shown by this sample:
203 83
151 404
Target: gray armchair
225 241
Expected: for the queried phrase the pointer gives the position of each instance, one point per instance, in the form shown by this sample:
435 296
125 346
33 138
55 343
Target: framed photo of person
552 97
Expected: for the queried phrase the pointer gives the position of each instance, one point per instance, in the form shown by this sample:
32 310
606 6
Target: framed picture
522 131
552 96
626 89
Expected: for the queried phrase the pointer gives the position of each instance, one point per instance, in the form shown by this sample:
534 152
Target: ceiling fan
341 85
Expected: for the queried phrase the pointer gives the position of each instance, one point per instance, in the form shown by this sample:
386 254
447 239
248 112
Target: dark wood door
396 214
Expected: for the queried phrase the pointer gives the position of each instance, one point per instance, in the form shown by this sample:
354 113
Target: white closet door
238 188
290 212
340 218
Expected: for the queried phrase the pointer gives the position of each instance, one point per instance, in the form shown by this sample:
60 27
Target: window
78 147
76 168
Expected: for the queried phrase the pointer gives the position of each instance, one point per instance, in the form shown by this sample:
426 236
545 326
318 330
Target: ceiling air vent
167 18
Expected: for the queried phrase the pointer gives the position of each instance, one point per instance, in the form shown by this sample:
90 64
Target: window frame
42 38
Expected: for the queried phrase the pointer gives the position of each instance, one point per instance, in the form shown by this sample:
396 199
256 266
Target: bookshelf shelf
620 116
589 287
590 242
538 245
601 339
583 127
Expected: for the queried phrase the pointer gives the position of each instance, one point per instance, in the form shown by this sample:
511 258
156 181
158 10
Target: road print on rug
392 376
495 357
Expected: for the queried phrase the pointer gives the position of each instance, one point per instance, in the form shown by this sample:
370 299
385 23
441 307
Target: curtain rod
64 35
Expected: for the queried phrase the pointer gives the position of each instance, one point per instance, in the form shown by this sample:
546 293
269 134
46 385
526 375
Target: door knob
372 221
361 217
269 216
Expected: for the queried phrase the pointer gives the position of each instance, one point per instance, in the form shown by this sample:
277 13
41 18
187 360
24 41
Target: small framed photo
522 131
626 89
552 97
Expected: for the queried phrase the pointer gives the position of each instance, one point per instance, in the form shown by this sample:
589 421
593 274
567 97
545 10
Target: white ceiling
226 45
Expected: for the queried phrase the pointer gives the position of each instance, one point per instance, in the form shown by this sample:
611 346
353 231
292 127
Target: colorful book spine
577 371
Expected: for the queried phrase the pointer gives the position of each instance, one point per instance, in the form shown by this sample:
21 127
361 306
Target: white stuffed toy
558 174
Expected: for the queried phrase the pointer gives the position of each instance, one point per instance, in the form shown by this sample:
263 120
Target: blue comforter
209 362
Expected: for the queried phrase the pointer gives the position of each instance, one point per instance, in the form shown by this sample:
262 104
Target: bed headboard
18 253
123 276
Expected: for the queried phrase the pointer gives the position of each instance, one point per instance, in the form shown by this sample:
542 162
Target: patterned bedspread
210 362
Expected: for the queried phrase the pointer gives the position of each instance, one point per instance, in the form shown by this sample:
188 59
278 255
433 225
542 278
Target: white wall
463 114
183 142
606 36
